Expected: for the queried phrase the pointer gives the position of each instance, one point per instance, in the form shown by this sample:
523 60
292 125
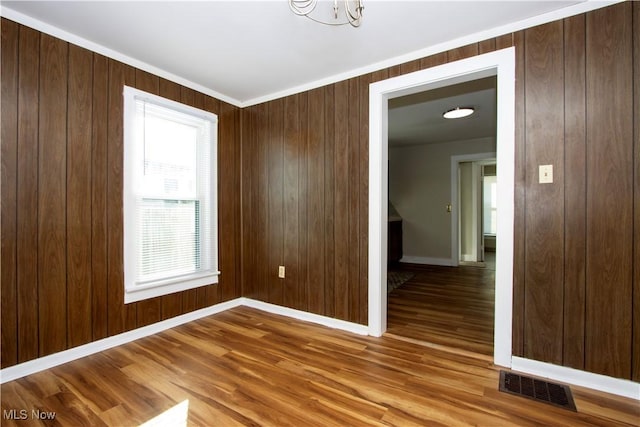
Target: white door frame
502 64
455 200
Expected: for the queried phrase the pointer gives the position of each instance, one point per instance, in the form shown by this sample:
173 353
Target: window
170 203
490 204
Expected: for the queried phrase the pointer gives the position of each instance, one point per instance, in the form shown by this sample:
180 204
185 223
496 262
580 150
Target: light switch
545 174
281 271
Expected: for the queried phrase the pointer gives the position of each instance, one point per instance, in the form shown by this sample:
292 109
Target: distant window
490 204
170 205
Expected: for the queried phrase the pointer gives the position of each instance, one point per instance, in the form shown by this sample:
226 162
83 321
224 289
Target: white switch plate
545 174
281 271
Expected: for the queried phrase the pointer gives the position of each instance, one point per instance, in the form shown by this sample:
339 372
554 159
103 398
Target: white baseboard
307 317
47 362
546 370
427 261
577 377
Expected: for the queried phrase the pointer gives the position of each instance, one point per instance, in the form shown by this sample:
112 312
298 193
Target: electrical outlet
281 271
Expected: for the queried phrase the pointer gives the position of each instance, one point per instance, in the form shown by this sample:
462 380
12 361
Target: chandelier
343 11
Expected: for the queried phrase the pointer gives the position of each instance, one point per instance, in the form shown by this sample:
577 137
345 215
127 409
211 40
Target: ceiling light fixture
458 112
352 10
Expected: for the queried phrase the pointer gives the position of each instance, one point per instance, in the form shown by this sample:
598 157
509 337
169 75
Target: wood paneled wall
61 262
576 279
294 192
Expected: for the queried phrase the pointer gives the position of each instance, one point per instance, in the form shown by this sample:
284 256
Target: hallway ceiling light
352 10
458 112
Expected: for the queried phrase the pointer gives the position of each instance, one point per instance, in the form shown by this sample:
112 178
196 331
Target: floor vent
539 390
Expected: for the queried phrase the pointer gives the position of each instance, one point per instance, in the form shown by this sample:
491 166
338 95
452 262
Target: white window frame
133 290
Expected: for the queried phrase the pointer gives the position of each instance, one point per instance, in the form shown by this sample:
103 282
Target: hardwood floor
247 367
451 306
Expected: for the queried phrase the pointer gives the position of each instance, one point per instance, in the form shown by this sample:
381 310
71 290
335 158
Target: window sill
141 292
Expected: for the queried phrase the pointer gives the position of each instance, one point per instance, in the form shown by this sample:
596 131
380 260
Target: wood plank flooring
450 306
247 367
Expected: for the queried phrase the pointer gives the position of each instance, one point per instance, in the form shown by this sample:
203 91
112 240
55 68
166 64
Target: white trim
513 27
455 219
427 260
555 15
47 362
52 30
559 373
577 377
307 317
502 64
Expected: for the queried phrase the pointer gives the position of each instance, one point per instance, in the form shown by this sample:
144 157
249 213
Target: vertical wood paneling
609 267
275 222
248 184
261 206
544 220
78 188
27 196
8 153
341 170
462 52
121 317
519 200
210 295
635 375
148 311
329 202
353 264
575 192
486 46
62 141
52 159
303 205
99 240
229 210
316 202
291 200
433 60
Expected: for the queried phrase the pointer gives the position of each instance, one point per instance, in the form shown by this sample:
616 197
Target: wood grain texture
121 317
609 156
291 196
340 277
544 220
52 169
462 52
329 202
27 194
62 197
8 164
229 211
519 207
635 376
99 227
246 367
353 184
275 223
316 202
447 306
78 188
575 192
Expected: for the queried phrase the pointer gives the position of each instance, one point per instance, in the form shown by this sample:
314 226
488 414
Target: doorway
502 65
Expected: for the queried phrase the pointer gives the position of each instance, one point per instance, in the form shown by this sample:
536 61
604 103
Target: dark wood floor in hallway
450 306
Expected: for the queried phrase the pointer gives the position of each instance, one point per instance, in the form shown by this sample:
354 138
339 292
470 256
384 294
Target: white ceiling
250 51
417 119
